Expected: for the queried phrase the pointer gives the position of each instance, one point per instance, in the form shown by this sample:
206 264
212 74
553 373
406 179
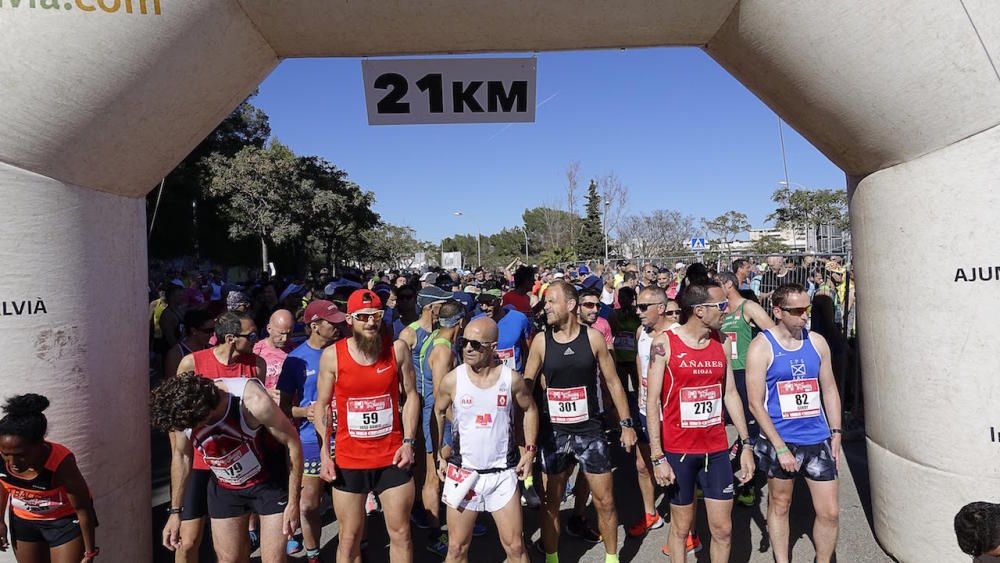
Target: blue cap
583 270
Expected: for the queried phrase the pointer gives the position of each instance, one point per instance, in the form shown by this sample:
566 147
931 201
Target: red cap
322 309
363 299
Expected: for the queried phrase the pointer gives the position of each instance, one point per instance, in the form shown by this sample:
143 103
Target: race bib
701 407
734 354
643 389
799 398
370 417
458 485
506 356
34 505
625 342
235 468
567 406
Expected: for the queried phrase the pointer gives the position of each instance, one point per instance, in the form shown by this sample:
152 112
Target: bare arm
325 381
659 355
758 358
180 467
68 474
522 394
533 365
442 402
758 316
186 364
441 361
261 373
734 406
261 407
411 404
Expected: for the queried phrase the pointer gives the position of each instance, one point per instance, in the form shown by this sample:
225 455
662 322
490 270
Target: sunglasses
644 306
365 317
251 336
721 305
476 344
672 313
797 311
589 305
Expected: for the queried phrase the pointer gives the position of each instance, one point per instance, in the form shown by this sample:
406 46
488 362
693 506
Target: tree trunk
263 255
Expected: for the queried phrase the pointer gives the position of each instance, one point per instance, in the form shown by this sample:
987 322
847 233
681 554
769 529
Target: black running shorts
364 481
265 498
559 448
50 532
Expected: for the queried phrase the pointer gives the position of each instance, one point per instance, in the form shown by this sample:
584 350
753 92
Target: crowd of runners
428 399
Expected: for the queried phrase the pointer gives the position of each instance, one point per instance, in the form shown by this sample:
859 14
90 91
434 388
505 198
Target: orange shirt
40 498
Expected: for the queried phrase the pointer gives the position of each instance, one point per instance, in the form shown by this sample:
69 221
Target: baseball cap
835 268
363 299
235 299
428 277
430 295
325 310
324 271
489 295
583 270
382 290
558 275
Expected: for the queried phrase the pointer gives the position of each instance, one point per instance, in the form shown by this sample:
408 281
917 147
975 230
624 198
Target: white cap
558 275
678 265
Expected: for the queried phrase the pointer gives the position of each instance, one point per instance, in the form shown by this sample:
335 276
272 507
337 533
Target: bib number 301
567 406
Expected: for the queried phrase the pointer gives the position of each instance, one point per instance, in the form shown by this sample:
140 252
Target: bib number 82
801 399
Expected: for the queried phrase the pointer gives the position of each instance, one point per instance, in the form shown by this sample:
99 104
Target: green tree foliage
768 244
801 208
549 228
660 233
259 192
590 240
391 246
727 226
188 220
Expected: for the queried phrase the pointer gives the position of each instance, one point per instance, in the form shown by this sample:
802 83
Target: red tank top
232 450
369 427
693 387
40 498
207 365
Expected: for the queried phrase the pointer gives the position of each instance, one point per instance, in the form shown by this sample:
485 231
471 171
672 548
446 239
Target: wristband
92 554
175 510
530 448
626 422
746 442
660 460
836 431
782 450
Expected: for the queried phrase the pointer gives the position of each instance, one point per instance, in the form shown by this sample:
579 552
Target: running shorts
490 493
815 461
711 472
269 497
559 448
196 495
364 481
311 458
427 417
50 532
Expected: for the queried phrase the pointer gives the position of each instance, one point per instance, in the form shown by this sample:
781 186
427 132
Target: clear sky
672 124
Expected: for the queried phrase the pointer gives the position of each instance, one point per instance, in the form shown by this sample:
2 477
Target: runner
568 356
742 318
795 398
227 421
624 326
232 357
437 358
199 327
52 514
361 378
484 445
656 315
274 349
690 377
297 385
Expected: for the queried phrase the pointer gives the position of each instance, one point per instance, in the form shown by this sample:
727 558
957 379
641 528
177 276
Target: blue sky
672 124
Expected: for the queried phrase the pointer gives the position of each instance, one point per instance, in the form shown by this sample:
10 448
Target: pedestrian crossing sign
697 244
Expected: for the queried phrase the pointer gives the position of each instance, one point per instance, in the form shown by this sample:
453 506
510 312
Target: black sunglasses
644 306
251 336
589 305
673 313
476 344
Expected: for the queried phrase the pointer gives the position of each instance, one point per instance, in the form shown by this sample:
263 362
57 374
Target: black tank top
571 366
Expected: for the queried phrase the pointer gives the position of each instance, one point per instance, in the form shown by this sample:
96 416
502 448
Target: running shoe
578 528
293 546
693 545
371 504
530 498
254 540
746 496
648 522
479 530
419 519
438 544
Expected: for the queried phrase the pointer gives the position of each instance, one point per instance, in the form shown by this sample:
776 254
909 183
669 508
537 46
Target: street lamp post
790 185
607 206
525 231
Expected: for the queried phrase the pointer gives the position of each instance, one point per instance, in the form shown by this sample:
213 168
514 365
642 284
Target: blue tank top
793 394
422 336
425 375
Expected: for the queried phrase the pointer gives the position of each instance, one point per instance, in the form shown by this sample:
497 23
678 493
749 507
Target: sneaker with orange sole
648 522
693 545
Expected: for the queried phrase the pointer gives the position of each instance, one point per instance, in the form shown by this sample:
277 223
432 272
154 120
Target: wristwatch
626 422
409 442
746 442
173 510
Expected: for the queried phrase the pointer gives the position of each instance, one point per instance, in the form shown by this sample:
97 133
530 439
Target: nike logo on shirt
382 370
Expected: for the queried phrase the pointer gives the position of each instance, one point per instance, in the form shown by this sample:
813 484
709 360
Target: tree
590 240
768 244
727 226
337 214
809 209
571 227
662 233
390 245
615 195
548 227
259 190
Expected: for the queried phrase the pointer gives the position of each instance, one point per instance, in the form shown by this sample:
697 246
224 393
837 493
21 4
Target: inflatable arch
101 98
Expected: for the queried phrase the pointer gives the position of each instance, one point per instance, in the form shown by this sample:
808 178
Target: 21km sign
411 91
